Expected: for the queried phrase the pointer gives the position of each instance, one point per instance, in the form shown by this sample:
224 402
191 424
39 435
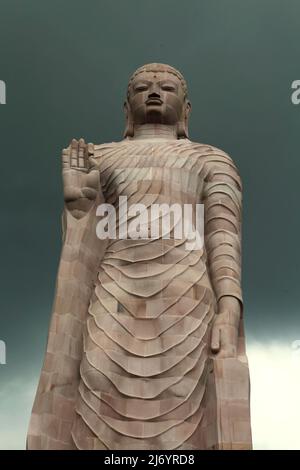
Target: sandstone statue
146 347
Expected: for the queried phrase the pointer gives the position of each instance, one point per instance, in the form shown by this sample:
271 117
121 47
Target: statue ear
129 129
182 126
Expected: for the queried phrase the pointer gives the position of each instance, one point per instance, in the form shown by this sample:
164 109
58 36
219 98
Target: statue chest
170 172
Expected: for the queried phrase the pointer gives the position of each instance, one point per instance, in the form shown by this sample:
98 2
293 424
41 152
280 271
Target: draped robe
128 362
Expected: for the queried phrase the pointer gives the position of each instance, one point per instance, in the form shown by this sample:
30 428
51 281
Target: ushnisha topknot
157 67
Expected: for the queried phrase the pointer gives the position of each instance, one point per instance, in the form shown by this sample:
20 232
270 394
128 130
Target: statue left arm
223 207
54 406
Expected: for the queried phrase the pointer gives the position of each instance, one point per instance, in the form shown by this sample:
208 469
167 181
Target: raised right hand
81 177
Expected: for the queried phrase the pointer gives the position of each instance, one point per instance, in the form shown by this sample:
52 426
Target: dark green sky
66 66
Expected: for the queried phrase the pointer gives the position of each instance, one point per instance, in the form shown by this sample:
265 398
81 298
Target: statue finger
81 152
215 339
93 164
90 148
90 193
86 156
66 157
71 193
74 153
89 155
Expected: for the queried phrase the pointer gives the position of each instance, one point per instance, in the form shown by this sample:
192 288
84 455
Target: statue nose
154 95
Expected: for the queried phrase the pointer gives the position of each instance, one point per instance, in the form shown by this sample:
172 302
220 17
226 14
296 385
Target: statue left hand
225 329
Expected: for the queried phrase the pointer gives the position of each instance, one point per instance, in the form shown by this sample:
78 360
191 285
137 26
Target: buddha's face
156 97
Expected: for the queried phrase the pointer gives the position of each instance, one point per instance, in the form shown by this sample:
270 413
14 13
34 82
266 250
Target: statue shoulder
212 155
101 149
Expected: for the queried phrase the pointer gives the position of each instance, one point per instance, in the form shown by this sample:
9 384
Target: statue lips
154 101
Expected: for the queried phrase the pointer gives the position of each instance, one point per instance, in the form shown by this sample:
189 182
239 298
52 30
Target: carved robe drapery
128 362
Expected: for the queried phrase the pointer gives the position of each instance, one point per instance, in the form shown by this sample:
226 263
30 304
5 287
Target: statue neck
154 131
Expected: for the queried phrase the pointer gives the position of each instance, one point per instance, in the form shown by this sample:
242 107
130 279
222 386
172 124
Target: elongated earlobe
129 127
182 126
182 131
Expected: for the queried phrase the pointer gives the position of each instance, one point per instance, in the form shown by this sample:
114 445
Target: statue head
157 94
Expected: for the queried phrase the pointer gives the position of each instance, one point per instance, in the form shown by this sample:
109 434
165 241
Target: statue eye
141 87
168 88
